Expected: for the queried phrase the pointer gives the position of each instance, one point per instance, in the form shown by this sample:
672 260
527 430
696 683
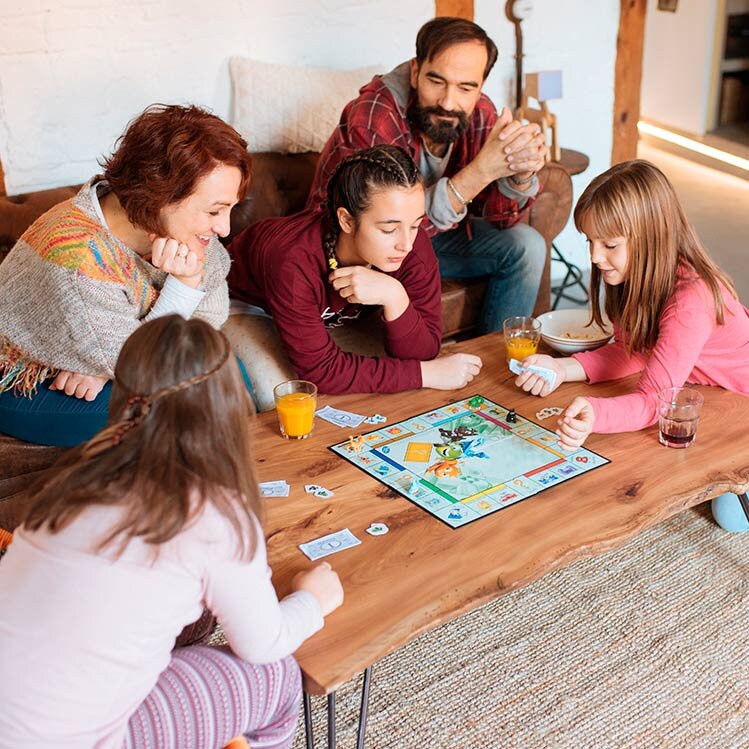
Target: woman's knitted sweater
71 293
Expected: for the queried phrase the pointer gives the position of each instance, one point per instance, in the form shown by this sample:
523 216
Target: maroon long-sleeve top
279 264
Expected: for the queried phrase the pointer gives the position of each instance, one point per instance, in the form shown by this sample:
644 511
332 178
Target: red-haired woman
138 242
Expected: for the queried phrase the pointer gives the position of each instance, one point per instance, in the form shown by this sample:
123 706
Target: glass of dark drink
678 415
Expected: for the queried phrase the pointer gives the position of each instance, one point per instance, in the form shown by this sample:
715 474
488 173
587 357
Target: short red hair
162 155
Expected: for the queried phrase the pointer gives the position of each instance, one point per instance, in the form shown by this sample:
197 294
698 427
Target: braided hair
353 182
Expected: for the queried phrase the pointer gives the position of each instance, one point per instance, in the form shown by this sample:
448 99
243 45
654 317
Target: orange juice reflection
521 345
522 334
295 405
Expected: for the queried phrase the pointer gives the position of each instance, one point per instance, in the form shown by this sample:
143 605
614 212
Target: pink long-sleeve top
84 636
691 347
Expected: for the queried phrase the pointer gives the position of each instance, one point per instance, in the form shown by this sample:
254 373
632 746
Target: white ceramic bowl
567 331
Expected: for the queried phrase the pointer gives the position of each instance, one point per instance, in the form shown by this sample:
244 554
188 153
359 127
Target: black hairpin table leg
310 739
308 721
364 707
331 721
744 504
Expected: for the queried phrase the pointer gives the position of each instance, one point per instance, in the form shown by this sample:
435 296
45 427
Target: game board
464 461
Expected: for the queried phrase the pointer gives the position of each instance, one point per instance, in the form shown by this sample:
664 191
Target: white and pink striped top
84 636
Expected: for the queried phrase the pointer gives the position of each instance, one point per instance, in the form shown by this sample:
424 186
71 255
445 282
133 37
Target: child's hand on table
575 424
324 584
450 372
535 384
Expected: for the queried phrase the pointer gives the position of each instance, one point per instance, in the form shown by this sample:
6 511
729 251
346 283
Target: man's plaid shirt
375 117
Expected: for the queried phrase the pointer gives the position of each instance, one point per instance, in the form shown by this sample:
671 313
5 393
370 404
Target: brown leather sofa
280 186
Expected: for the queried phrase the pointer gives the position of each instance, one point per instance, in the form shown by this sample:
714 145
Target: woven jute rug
646 646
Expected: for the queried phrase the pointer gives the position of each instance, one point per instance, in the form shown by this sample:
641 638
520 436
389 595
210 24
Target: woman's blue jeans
52 418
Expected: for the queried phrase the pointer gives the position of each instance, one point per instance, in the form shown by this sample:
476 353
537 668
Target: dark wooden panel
628 78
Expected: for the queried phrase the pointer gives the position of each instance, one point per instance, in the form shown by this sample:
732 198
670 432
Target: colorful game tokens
377 529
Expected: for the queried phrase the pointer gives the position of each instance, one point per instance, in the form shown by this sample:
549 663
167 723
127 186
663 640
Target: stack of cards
330 544
318 491
274 489
544 373
340 418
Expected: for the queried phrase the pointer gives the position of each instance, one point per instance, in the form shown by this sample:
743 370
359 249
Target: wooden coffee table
423 573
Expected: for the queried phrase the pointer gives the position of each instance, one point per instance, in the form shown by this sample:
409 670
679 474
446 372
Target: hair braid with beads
353 182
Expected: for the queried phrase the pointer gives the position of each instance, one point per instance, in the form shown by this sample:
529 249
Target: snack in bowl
570 330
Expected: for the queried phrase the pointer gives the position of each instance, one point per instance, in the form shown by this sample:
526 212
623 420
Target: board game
465 461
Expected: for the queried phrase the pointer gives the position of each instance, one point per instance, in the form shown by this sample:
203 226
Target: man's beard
441 131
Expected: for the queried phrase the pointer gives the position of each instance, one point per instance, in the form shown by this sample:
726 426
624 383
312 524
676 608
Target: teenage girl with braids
126 541
315 270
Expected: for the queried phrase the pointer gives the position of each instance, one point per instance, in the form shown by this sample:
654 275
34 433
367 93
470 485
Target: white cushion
289 109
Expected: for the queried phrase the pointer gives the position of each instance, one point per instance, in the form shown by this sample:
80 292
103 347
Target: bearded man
479 167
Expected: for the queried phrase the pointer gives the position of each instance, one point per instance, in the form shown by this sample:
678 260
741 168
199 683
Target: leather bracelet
454 191
515 181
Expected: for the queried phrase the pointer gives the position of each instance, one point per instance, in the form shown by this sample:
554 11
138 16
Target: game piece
462 462
330 544
546 413
323 493
340 418
355 443
377 529
512 417
545 373
311 488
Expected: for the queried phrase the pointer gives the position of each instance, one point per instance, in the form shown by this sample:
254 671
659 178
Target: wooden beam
458 8
2 181
628 79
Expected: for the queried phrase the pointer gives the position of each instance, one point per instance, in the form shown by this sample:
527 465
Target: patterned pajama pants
207 696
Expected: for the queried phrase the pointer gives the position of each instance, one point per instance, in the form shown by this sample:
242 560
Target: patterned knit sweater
71 293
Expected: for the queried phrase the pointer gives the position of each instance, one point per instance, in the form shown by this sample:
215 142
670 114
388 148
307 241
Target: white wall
73 72
677 65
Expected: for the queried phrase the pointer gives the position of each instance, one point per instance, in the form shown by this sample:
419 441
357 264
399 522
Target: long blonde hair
635 200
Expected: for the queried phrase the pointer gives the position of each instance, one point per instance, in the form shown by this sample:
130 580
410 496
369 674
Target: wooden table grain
422 573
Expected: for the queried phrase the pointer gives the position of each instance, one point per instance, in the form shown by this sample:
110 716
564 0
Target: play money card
330 544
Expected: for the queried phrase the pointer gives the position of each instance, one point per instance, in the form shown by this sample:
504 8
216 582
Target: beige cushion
290 109
254 339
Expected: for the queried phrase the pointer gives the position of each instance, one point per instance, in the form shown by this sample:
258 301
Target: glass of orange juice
295 404
522 335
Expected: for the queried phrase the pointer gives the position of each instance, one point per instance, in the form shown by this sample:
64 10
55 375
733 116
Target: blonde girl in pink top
676 315
128 540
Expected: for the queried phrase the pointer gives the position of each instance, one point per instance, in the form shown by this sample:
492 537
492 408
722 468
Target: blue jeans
729 514
513 259
52 418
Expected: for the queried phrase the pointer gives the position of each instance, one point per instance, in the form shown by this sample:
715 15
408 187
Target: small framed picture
668 5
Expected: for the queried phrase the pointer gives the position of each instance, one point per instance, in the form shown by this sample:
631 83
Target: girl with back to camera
676 315
315 270
129 537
